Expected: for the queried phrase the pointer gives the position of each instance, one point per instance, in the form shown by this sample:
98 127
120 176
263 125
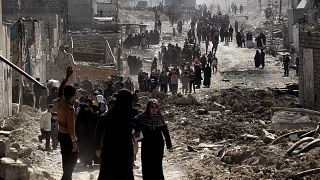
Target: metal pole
20 71
280 11
260 6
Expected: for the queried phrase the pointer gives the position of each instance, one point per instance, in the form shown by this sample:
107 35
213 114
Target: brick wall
310 40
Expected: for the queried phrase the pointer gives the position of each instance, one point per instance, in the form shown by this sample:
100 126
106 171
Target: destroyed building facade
5 71
309 77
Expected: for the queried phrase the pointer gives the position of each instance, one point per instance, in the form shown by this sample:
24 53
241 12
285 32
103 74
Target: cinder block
13 154
5 133
11 169
4 146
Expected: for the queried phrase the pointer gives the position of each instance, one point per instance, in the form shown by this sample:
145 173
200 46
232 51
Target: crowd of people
143 40
234 9
98 123
134 64
105 129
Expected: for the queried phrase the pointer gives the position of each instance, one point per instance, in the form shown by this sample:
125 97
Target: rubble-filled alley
154 90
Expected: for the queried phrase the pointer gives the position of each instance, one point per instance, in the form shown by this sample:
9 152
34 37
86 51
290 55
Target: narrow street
236 69
244 126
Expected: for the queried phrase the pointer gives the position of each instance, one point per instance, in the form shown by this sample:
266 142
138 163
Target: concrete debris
202 111
16 145
267 137
238 138
25 152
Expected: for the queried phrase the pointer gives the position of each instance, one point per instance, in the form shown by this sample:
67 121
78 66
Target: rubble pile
233 140
252 103
23 156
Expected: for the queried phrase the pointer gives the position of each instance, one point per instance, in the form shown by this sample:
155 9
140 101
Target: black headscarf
124 100
152 121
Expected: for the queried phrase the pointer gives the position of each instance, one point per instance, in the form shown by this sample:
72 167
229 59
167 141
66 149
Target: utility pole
260 6
226 5
280 11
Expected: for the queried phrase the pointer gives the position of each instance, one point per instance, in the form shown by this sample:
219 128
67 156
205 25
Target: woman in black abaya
153 129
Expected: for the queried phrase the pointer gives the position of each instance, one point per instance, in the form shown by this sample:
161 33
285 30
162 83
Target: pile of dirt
251 102
24 125
25 128
229 142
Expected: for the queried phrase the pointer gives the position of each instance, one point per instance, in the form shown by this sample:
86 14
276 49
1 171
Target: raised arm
69 72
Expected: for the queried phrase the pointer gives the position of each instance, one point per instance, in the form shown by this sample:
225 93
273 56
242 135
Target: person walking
214 64
153 128
236 26
262 58
286 62
114 130
257 59
191 82
54 130
163 81
66 123
85 128
207 76
241 9
207 45
174 83
45 126
231 34
198 76
185 82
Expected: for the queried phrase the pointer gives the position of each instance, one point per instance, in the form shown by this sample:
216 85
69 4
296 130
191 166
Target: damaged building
5 71
309 78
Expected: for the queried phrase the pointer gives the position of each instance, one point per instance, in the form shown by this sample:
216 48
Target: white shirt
45 121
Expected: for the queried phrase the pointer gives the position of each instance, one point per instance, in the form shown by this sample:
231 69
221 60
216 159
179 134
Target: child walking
45 126
54 130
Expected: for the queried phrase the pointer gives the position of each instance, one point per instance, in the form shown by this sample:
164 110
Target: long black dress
117 150
257 59
197 74
207 76
152 148
85 127
262 58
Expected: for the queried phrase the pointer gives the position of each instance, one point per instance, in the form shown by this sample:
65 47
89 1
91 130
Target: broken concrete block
217 107
4 146
35 175
202 111
290 120
267 137
13 154
214 113
16 145
237 169
47 175
25 152
5 133
11 169
249 137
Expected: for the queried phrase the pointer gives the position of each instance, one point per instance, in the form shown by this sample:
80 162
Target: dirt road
236 68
